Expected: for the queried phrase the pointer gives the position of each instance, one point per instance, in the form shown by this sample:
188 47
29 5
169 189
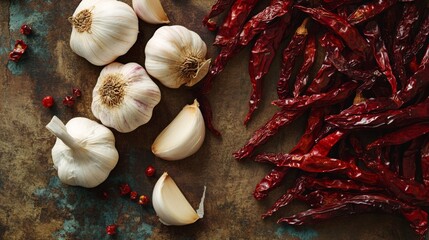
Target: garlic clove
183 136
170 204
150 11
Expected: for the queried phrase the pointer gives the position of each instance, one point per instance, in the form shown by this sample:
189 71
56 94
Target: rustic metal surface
35 205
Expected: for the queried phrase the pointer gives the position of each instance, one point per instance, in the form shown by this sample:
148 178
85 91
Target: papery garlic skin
175 56
150 11
103 30
170 204
183 137
84 152
124 96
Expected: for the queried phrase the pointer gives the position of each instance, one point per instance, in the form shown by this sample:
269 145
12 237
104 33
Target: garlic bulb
171 206
84 153
176 56
150 11
103 30
124 96
183 136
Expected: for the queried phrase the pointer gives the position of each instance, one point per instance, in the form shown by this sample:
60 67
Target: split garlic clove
103 30
175 56
183 136
124 96
84 152
171 206
150 11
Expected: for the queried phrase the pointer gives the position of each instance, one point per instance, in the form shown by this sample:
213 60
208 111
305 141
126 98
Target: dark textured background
35 205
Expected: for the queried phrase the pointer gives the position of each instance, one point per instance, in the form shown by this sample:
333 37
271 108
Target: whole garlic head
103 30
124 96
175 56
84 152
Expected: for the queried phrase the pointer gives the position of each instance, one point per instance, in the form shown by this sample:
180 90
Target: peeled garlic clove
150 11
103 30
183 136
124 96
171 205
175 56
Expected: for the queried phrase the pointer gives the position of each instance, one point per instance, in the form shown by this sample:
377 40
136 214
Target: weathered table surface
34 204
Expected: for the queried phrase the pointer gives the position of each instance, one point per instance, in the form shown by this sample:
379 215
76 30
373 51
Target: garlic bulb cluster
124 96
84 152
175 56
183 136
103 30
171 205
150 11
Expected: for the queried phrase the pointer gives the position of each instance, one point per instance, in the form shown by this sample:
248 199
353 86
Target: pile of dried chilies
366 144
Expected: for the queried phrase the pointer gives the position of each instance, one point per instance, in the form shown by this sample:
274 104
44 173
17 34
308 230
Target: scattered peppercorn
143 200
133 195
48 101
16 54
150 171
76 92
111 229
25 29
125 189
68 101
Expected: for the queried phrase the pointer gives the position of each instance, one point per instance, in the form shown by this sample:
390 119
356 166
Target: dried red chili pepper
319 198
314 125
301 80
359 204
372 32
323 78
18 51
260 22
341 27
402 135
369 10
324 146
218 8
425 161
269 182
409 158
400 43
206 111
269 129
413 65
332 97
294 49
333 4
262 55
234 21
391 118
419 40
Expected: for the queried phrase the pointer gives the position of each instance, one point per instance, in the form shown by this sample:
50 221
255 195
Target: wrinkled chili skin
262 55
409 158
341 27
424 159
314 125
259 22
218 8
294 49
333 4
322 79
324 146
391 118
269 182
269 129
372 32
332 97
419 40
206 111
369 10
400 44
402 135
234 21
302 77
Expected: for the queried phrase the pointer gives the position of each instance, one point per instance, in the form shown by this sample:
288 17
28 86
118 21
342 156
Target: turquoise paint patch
302 233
